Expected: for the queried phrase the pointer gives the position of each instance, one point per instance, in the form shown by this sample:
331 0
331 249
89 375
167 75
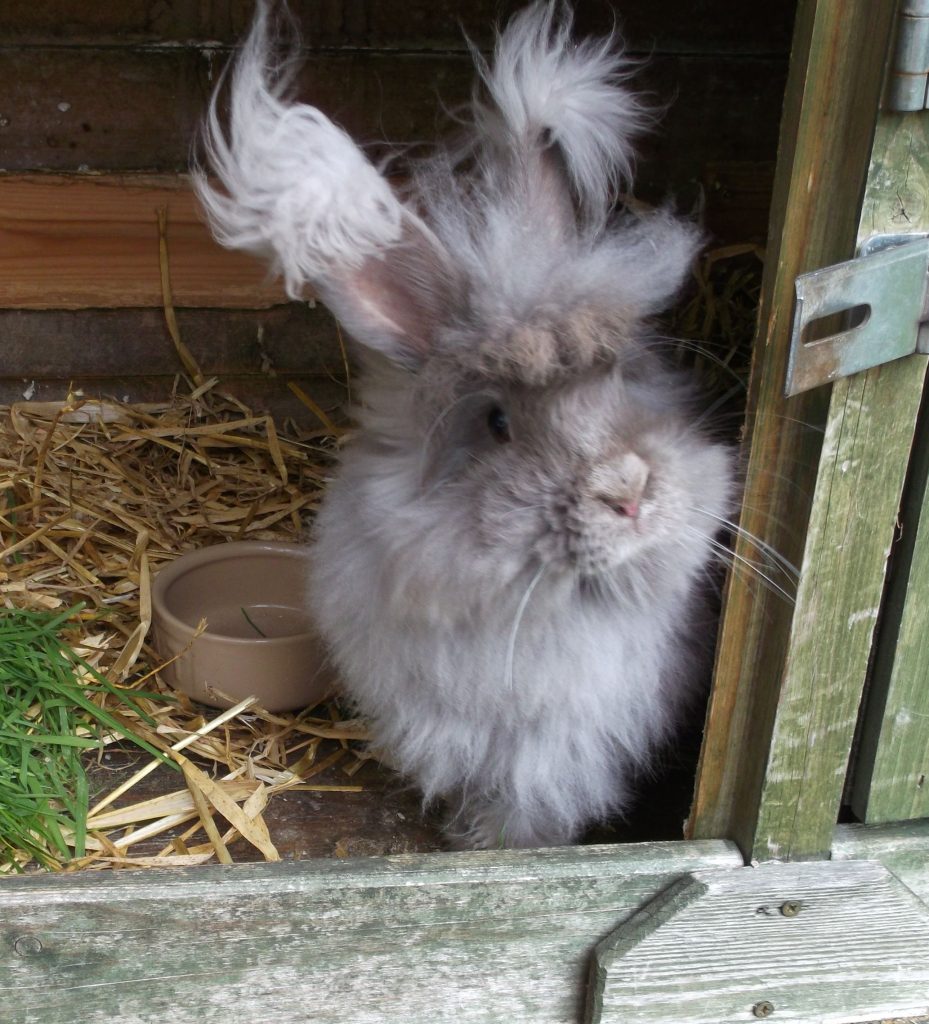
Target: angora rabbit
509 567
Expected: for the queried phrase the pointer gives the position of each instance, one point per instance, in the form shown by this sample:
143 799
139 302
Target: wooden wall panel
827 133
293 339
680 26
97 108
72 242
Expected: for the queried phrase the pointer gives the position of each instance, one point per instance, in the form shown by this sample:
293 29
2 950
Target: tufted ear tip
293 187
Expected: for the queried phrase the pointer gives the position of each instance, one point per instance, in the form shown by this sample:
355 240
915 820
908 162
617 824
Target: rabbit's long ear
548 91
297 191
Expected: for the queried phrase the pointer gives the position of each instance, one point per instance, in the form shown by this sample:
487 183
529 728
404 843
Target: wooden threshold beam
86 241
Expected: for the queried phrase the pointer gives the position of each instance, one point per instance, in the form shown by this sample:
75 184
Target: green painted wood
479 937
826 138
891 779
862 470
863 466
801 943
902 848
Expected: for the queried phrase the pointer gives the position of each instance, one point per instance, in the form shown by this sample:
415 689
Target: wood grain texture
891 778
116 108
902 848
111 108
863 465
716 944
676 25
479 937
71 242
891 781
827 130
866 452
294 338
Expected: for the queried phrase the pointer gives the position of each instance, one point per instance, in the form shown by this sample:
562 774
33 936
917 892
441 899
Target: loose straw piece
203 811
180 745
255 831
186 357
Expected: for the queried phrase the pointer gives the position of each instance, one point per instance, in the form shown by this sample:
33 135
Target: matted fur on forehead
538 292
549 346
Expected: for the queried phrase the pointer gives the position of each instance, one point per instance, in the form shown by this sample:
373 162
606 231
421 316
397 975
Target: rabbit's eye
498 423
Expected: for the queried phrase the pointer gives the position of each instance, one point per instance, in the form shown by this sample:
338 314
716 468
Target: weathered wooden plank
902 848
800 943
862 469
294 338
891 777
98 108
869 434
723 25
830 109
111 108
492 937
70 242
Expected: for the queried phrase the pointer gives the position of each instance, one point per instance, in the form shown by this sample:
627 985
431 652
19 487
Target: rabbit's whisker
786 566
521 508
735 561
691 346
719 403
520 612
434 426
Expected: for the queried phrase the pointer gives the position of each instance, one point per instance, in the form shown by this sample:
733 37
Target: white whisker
718 404
521 508
434 426
747 563
788 567
520 612
691 346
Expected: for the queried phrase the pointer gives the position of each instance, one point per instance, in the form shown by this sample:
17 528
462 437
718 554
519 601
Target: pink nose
621 484
629 508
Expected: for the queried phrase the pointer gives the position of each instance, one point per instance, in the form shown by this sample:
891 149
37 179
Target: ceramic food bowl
259 640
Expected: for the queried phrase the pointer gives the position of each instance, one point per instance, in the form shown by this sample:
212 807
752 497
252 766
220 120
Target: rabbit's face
585 474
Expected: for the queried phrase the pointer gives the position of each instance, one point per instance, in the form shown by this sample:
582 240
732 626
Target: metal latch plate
886 288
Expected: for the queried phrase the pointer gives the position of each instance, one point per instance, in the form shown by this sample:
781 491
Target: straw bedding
94 497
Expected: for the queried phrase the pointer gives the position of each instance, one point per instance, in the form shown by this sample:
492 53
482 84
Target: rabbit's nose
622 485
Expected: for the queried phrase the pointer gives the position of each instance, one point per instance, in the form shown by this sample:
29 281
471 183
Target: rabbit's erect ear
395 302
563 107
297 191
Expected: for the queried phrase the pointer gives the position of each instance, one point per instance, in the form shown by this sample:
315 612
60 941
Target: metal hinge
909 69
862 313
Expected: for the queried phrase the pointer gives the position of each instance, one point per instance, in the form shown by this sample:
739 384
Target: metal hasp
909 70
881 296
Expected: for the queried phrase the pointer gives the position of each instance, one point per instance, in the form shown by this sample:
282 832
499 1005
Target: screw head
763 1009
26 945
790 908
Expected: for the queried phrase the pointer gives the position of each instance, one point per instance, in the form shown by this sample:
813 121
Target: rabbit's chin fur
508 566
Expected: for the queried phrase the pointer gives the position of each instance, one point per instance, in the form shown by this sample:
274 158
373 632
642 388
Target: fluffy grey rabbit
509 567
